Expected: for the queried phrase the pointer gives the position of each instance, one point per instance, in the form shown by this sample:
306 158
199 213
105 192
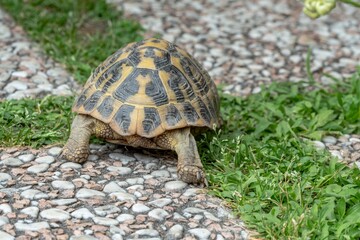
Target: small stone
62 185
319 145
354 140
71 165
105 210
133 181
93 157
150 166
175 185
122 157
124 217
82 213
105 221
145 158
55 214
64 202
38 168
112 187
193 210
329 139
34 194
19 85
31 226
31 211
145 233
160 174
120 170
116 236
45 159
83 237
3 220
192 192
89 193
4 177
12 162
175 232
4 235
116 230
161 202
337 154
158 214
140 208
211 217
122 196
27 157
200 233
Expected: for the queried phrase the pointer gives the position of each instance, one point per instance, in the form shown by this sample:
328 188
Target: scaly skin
189 168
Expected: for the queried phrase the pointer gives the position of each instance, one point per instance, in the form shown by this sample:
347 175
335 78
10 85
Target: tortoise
149 94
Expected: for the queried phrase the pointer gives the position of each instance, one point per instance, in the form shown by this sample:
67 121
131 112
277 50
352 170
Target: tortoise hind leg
189 168
76 148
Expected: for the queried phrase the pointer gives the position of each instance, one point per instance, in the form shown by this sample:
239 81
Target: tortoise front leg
76 148
189 167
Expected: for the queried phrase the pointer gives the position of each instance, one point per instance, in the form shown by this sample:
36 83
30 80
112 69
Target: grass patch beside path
78 33
277 182
274 179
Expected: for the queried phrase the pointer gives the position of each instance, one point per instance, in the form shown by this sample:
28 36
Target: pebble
45 159
200 233
31 226
175 232
319 145
34 194
71 165
122 157
105 210
4 235
31 211
145 233
120 170
158 214
64 202
113 187
82 213
83 237
4 177
124 217
123 196
62 185
105 221
3 220
160 173
55 214
162 202
89 193
27 157
139 208
12 162
175 185
329 140
38 168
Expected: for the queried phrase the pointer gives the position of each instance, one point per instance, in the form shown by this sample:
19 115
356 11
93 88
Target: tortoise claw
192 174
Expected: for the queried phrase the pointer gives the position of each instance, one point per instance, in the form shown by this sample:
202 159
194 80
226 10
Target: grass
259 161
78 33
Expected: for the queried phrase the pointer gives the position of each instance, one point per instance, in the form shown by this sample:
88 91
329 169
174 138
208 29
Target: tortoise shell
150 87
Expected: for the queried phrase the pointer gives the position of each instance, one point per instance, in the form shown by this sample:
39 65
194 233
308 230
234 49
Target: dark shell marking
149 87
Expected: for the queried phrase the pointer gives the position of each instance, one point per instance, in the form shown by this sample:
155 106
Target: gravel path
246 43
124 193
25 71
117 194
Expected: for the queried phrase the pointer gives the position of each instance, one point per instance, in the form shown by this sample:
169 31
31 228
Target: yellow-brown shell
149 87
